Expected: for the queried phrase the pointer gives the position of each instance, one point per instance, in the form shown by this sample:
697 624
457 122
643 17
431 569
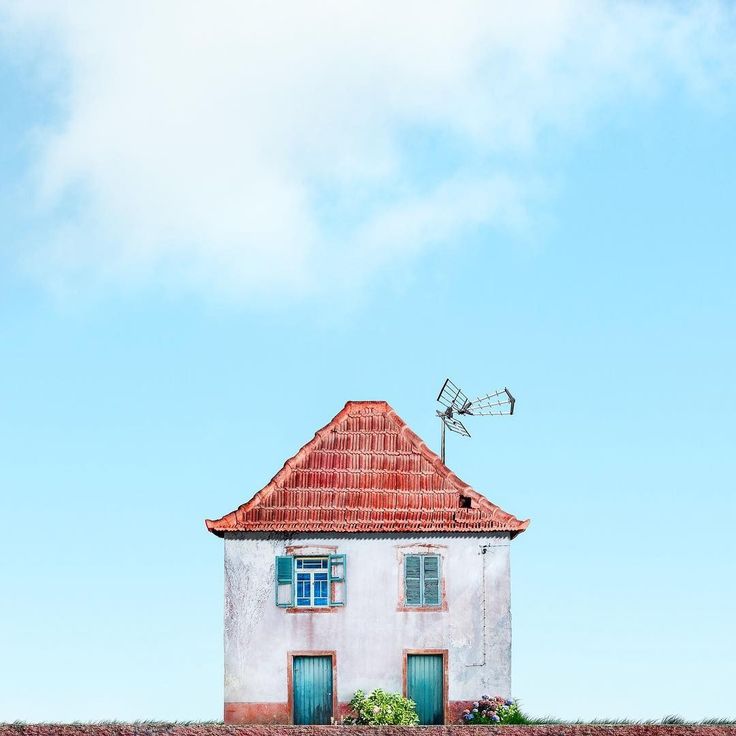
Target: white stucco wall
369 634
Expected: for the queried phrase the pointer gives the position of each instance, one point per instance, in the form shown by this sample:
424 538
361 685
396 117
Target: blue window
312 582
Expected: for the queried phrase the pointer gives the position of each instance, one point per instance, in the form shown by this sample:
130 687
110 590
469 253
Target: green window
310 581
422 580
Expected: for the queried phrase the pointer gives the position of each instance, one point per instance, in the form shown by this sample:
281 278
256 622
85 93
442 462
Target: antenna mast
442 444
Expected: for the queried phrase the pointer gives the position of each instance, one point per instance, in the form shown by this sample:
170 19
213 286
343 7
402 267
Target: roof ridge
355 402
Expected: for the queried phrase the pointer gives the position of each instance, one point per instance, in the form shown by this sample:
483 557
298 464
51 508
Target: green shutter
285 582
338 566
431 581
413 580
284 570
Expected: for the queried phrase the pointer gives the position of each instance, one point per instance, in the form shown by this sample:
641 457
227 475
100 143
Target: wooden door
312 683
424 685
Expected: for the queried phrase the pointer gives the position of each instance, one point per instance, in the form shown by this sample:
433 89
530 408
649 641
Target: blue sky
184 301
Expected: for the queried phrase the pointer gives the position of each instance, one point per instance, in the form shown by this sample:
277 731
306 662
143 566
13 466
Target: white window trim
311 573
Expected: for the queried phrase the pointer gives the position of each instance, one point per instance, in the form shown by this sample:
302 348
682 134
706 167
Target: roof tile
366 471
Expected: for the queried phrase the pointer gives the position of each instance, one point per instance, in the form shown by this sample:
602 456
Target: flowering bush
493 710
381 708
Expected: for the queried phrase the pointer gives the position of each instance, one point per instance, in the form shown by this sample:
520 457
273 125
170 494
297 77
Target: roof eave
219 531
213 526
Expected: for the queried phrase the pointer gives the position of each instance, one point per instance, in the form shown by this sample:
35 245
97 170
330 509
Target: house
364 563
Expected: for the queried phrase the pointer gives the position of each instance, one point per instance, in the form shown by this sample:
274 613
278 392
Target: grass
668 720
115 722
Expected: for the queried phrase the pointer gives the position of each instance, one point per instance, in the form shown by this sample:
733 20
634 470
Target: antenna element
498 403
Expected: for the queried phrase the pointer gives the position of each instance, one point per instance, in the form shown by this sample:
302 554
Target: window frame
293 570
422 601
421 550
310 573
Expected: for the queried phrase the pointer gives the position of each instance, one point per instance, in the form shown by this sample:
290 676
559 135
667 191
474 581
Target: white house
364 563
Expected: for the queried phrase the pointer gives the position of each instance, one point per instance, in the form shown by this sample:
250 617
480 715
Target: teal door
312 683
424 679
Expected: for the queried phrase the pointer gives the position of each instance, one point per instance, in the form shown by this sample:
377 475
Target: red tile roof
366 471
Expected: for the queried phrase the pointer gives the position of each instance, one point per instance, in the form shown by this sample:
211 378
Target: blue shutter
284 582
338 587
413 580
431 580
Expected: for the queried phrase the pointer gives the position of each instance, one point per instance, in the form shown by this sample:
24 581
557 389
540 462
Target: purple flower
508 702
485 697
495 717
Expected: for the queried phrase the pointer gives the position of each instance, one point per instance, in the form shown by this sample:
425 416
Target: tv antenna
498 403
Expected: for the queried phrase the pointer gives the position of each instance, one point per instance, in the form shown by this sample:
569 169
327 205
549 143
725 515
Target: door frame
290 676
445 683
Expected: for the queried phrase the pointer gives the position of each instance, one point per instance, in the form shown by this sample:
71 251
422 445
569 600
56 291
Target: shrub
490 710
381 708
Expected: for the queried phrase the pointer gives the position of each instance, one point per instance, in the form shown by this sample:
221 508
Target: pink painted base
257 713
263 714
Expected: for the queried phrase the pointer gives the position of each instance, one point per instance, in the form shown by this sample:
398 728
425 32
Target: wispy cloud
245 148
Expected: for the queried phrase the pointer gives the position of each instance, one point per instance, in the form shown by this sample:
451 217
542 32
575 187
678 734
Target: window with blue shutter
310 582
422 581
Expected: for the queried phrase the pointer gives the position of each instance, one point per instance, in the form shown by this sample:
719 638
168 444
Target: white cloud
252 147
